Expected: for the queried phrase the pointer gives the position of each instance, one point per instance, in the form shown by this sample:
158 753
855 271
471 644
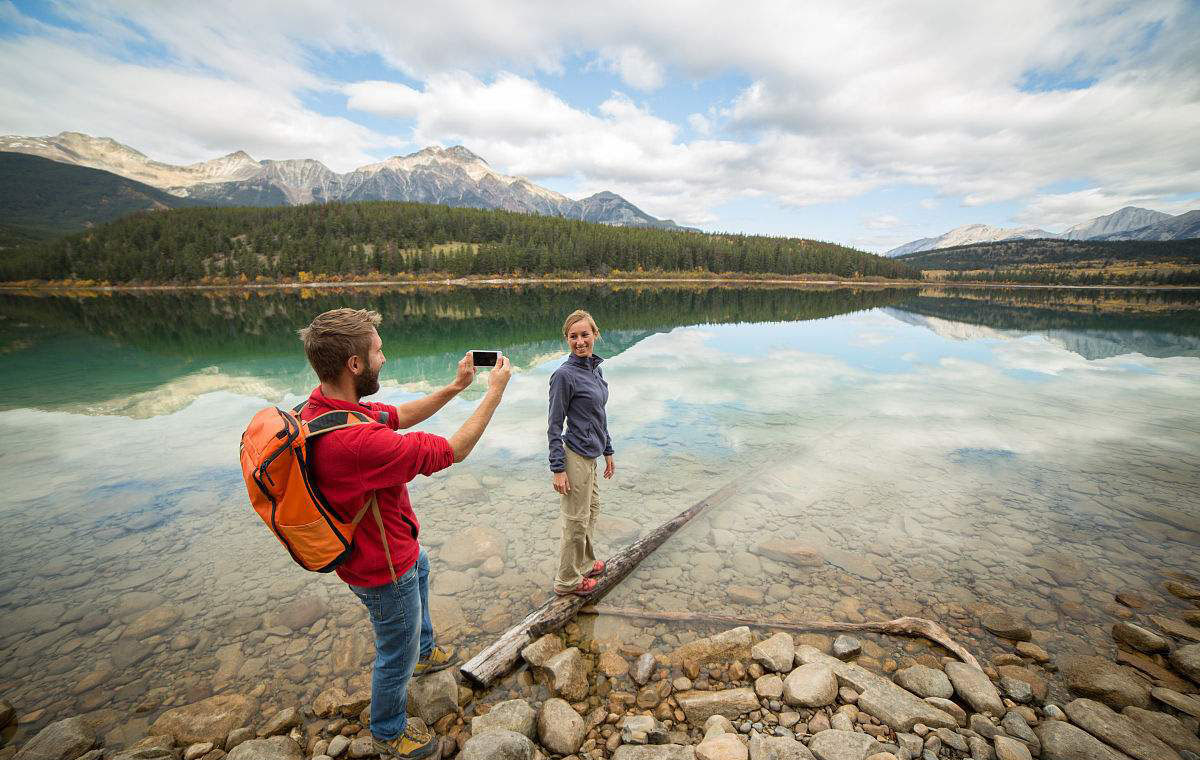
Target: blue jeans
403 634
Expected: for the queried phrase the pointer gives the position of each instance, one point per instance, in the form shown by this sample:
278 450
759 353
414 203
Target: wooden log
904 626
497 659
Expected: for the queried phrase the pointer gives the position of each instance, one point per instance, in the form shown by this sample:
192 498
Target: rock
151 622
777 748
879 697
1118 730
237 736
209 720
498 745
845 647
559 727
811 685
335 701
660 752
1016 727
1180 702
434 696
568 674
1167 728
769 686
7 713
1032 651
280 723
1186 660
1006 626
727 646
299 614
721 747
699 706
1097 678
612 664
513 715
198 750
541 650
362 746
776 653
789 553
1183 590
1062 741
975 688
1016 689
350 651
472 547
642 729
1139 638
64 739
924 681
1011 749
492 567
1148 665
643 668
338 745
275 748
1177 628
950 707
843 745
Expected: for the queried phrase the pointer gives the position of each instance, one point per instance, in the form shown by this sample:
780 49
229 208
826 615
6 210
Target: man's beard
366 383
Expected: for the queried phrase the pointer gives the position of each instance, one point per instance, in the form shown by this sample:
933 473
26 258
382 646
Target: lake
945 453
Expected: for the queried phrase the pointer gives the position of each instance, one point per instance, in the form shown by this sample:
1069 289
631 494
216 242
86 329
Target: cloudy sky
868 123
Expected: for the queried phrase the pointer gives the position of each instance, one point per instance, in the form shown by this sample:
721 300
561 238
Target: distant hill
41 199
452 176
1129 223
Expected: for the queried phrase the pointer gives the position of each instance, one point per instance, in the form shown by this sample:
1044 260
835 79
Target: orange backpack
277 468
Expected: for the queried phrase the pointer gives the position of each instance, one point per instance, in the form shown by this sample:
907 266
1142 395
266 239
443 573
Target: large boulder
1062 741
472 547
727 646
699 706
1187 661
833 744
790 553
61 740
976 689
515 715
541 650
559 727
776 653
1168 728
275 748
434 696
498 745
335 701
1099 679
299 614
568 674
811 685
1118 730
209 720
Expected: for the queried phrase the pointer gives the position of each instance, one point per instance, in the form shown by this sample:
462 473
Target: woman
578 393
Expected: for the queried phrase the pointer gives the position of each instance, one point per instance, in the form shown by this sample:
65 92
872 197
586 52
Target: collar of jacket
591 362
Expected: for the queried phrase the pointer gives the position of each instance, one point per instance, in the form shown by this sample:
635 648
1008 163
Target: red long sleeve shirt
349 464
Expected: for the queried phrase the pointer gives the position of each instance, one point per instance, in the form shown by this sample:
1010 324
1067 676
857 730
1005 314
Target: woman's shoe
585 587
597 569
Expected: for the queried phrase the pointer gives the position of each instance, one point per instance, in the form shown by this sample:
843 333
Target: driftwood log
492 663
904 626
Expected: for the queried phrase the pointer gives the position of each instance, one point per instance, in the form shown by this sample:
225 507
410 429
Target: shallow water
946 453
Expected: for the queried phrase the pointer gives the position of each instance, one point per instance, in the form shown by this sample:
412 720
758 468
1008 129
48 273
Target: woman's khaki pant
580 508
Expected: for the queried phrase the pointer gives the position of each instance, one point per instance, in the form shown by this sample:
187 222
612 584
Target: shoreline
467 282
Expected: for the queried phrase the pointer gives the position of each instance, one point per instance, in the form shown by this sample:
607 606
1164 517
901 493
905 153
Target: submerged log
904 626
497 659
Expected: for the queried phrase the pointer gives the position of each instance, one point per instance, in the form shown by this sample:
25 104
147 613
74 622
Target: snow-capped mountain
454 176
969 233
1128 218
1129 223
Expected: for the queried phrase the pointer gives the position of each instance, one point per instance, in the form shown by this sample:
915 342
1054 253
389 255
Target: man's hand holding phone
500 374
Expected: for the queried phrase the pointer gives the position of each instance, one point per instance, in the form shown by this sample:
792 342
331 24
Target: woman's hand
609 467
561 484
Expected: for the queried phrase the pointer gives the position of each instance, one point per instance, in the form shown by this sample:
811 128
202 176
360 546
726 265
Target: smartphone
487 358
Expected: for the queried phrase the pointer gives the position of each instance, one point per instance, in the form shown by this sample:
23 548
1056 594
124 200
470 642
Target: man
389 573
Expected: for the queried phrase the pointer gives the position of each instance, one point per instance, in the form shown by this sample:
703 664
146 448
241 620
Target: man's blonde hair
577 315
335 336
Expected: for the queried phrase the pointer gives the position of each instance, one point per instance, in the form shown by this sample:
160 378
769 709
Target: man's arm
417 411
469 434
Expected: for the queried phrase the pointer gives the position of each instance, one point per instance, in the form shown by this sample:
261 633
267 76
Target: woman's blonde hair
577 315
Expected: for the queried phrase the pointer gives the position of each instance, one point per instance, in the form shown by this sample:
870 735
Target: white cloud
634 66
882 222
1065 209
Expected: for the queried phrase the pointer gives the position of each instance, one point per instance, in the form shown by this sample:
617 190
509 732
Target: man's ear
354 364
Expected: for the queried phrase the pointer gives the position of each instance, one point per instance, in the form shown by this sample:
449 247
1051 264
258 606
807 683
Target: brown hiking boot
438 659
412 744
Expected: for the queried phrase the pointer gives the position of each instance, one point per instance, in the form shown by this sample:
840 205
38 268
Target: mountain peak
454 153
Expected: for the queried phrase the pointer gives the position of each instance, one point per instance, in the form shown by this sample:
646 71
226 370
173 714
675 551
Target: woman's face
581 338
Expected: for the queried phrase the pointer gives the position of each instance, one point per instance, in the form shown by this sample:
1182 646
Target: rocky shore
733 695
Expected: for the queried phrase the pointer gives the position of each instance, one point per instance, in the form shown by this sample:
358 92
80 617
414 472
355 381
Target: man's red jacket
349 464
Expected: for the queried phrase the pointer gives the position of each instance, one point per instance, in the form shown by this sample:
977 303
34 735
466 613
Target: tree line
393 238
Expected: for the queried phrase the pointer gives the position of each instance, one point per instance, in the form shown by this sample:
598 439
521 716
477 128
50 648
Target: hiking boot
413 743
438 659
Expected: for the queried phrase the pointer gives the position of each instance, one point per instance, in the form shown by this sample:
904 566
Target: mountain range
453 176
1129 223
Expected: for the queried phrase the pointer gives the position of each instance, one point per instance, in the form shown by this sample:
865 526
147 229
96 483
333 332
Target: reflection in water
943 478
